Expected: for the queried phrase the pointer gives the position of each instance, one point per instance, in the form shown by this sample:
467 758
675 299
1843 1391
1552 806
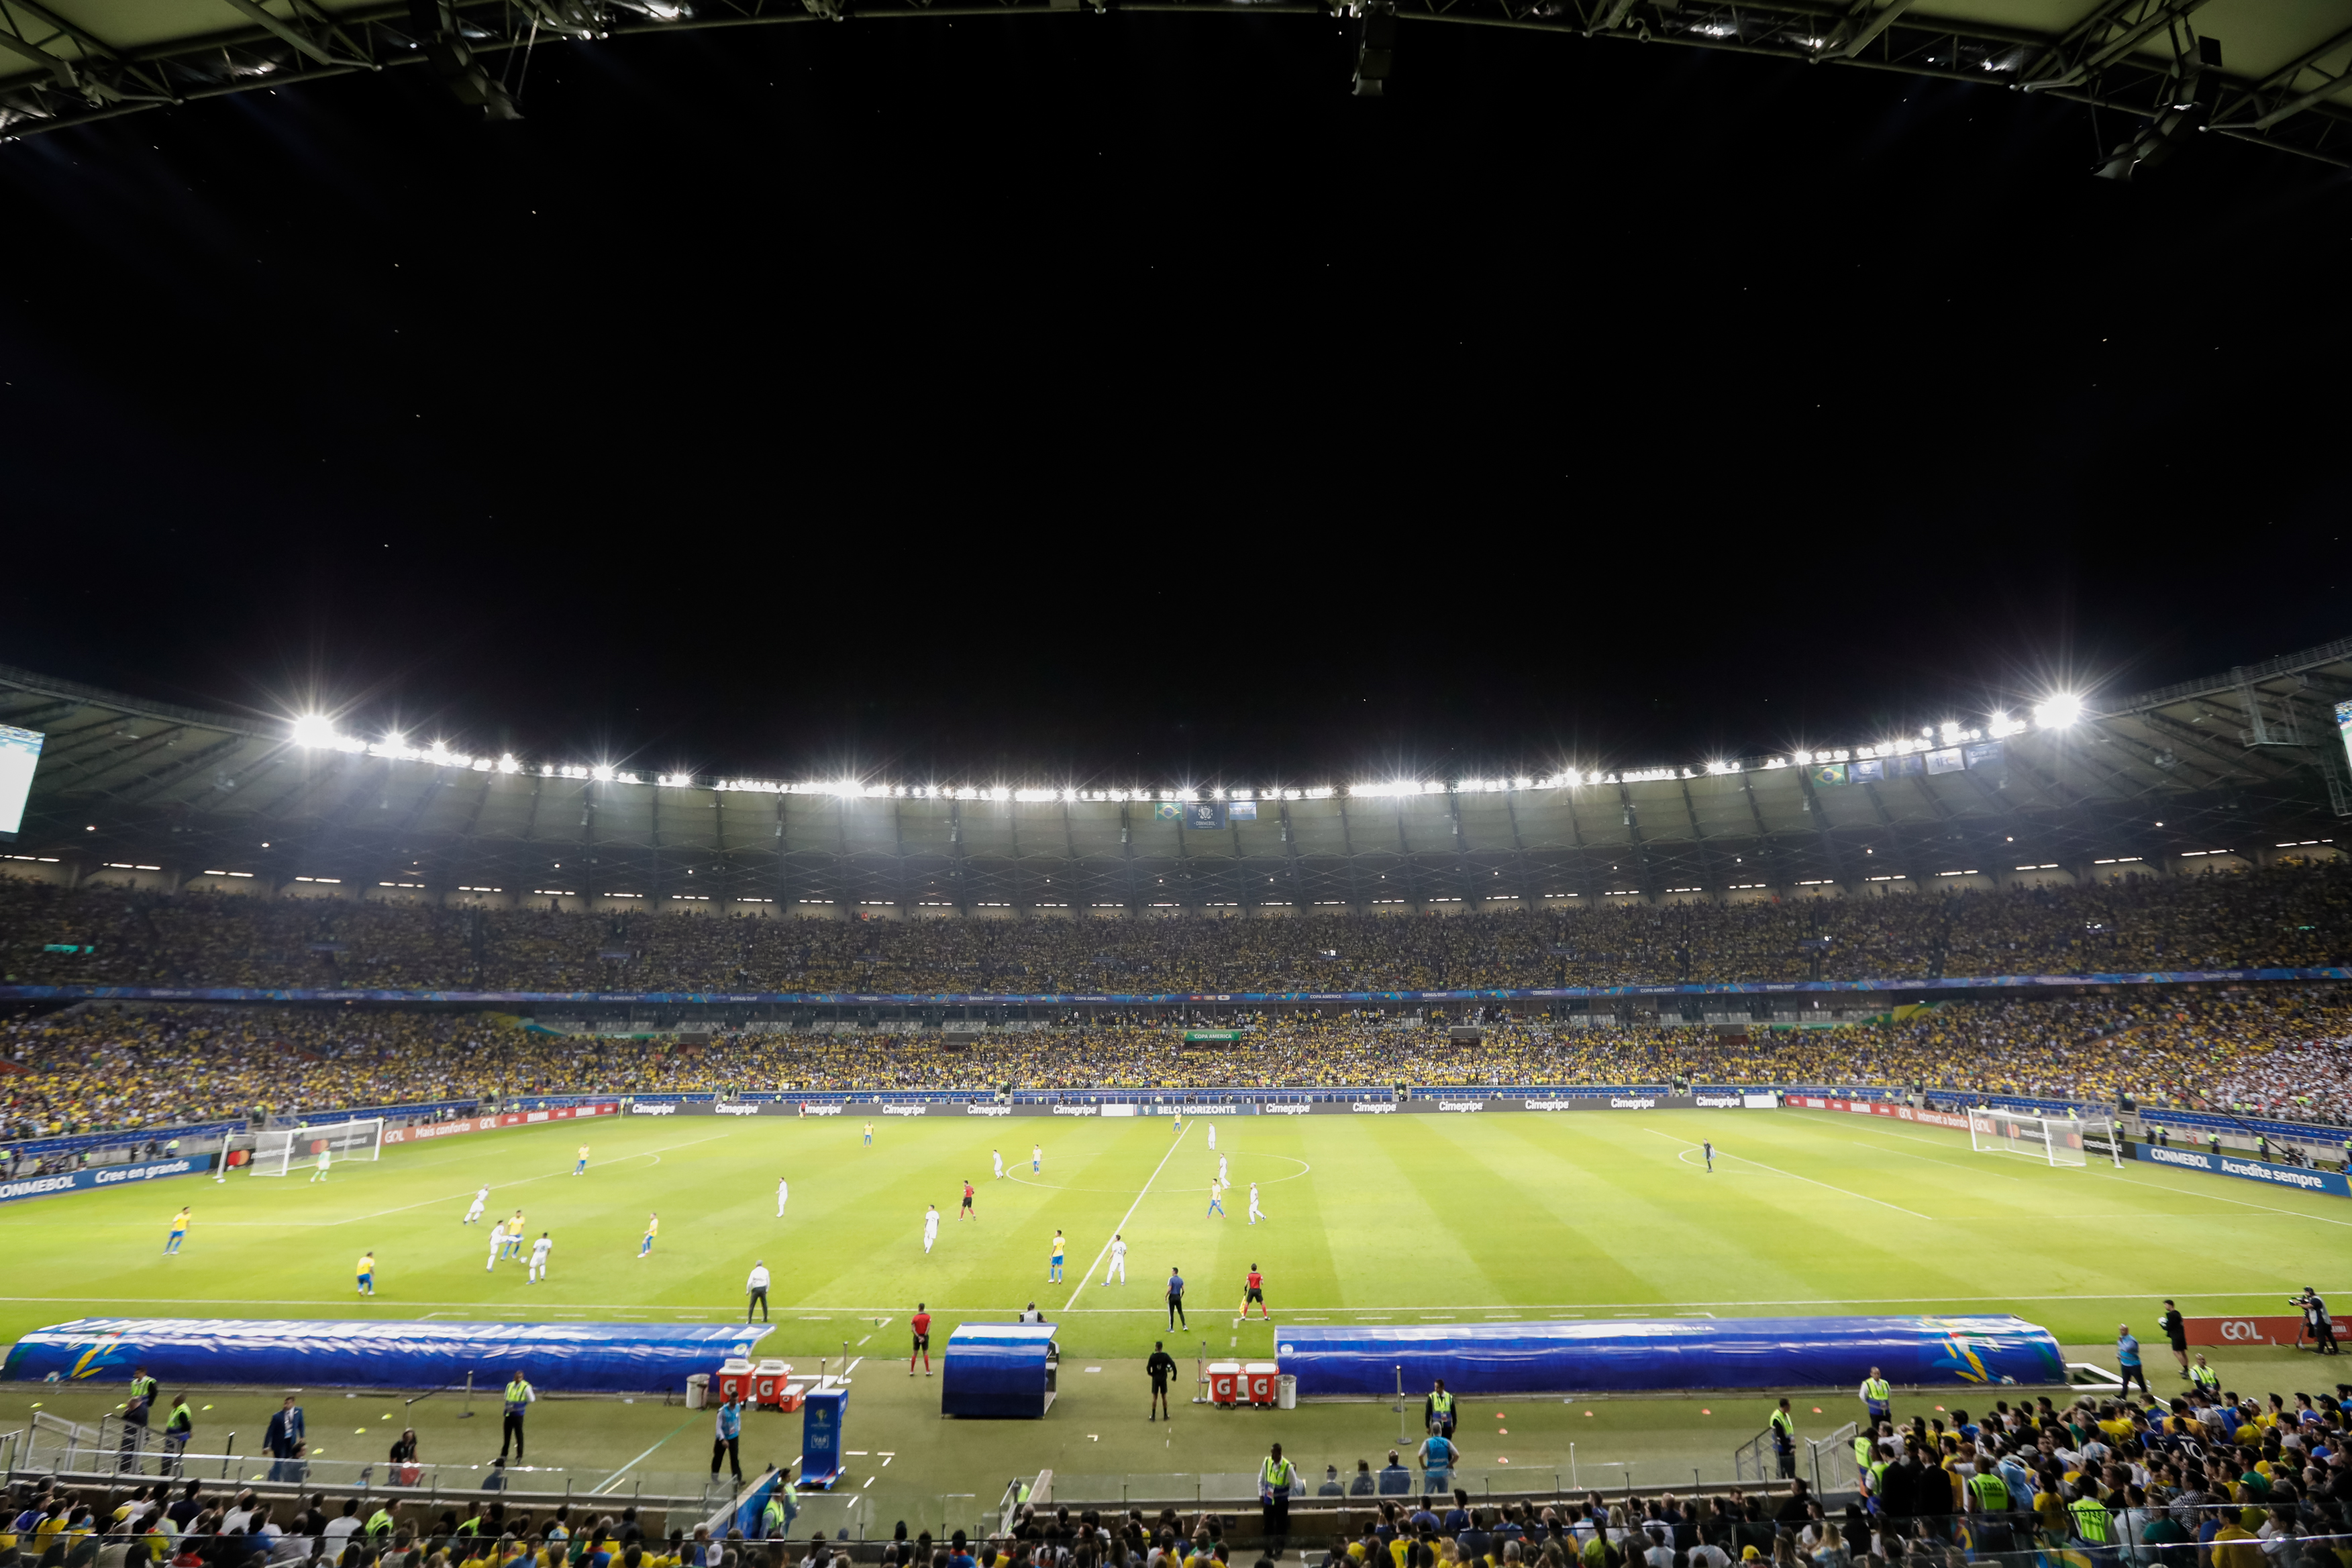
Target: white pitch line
1564 1309
633 1464
2272 1208
1087 1278
1931 1160
453 1198
1793 1176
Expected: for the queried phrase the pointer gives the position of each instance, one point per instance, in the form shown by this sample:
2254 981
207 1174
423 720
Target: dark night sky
1116 398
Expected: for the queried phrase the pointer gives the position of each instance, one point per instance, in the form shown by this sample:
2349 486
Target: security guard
177 1431
783 1507
1864 1448
172 1150
1275 1478
1784 1440
1877 1397
1437 1410
381 1524
2092 1523
2205 1377
144 1387
1988 1493
519 1397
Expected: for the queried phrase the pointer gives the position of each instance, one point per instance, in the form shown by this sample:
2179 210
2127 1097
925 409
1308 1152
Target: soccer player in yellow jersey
179 1232
367 1273
581 1168
653 1229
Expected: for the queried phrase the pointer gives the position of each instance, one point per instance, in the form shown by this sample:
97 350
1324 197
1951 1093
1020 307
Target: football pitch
1366 1218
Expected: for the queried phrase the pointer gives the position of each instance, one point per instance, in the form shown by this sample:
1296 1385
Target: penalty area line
1793 1176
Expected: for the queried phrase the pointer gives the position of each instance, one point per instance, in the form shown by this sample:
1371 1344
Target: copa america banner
1656 1355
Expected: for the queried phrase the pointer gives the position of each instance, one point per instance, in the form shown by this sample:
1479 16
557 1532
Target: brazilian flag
1168 811
1830 773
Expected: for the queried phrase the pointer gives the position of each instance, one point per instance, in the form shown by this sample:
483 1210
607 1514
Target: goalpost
2054 1140
280 1150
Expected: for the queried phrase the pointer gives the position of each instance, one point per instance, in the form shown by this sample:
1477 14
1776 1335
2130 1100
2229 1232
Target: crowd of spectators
2280 1051
2298 915
2207 1480
49 1525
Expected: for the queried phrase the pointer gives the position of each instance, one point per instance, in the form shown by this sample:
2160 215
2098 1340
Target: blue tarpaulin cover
606 1358
998 1369
1636 1354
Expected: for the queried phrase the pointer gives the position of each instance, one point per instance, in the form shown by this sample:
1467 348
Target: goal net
280 1150
2054 1140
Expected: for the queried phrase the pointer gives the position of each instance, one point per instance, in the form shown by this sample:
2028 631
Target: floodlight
314 729
2058 712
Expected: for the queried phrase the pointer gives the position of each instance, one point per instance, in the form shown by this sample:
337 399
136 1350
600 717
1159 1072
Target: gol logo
2241 1329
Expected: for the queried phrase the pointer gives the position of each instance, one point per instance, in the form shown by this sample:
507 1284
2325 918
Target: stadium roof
2240 762
2276 72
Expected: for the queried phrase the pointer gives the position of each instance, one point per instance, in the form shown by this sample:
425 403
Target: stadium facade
2232 770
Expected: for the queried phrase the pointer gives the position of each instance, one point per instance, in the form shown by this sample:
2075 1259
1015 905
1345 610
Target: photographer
2317 1326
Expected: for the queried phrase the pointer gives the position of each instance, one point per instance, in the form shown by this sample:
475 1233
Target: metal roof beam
292 35
2282 78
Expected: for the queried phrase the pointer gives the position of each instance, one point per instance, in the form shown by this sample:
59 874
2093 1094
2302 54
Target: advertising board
98 1177
2283 1330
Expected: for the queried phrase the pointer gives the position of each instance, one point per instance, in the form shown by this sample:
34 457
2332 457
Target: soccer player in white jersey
784 1191
539 1251
325 1159
1213 1142
481 1201
1222 1179
931 1228
1118 1261
1037 1158
998 1156
498 1243
1256 1213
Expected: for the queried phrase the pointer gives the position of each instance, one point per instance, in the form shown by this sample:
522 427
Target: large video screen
20 753
2344 727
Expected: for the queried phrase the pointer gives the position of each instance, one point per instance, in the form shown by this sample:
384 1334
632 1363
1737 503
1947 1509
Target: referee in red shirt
921 1323
1254 1290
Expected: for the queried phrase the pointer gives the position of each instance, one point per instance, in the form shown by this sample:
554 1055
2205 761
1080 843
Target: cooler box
767 1383
698 1391
1225 1386
1259 1377
734 1379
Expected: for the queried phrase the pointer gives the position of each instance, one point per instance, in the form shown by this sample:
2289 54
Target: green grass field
1402 1218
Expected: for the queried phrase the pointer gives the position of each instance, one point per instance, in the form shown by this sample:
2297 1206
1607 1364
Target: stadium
1725 1156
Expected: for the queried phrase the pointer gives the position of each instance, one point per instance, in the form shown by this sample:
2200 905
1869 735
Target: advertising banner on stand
97 1176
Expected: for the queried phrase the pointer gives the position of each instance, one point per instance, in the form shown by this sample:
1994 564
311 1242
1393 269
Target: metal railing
1832 1462
1759 1460
1229 1488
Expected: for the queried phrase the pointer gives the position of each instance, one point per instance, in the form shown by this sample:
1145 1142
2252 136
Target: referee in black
1162 1366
